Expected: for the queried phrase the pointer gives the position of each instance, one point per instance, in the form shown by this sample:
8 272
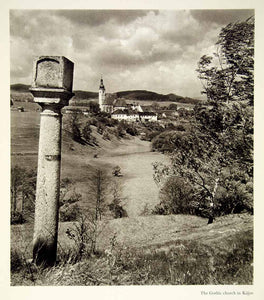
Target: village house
148 116
120 110
134 116
125 114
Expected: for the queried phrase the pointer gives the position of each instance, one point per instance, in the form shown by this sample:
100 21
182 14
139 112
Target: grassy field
142 248
24 132
132 155
176 250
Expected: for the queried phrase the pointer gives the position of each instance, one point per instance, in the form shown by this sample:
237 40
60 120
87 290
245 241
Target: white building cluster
120 110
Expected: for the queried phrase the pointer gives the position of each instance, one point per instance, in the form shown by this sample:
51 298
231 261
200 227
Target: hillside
175 249
19 87
79 95
139 95
141 249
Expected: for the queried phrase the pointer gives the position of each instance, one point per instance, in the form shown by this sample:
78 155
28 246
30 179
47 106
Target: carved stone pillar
52 90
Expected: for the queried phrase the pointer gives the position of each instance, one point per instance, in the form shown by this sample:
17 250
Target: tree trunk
211 212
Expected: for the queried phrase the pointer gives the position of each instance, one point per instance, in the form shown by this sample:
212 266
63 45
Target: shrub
234 195
164 142
180 127
116 171
93 107
23 187
117 210
176 197
84 235
17 218
93 121
100 128
69 212
132 130
87 132
121 129
69 198
151 135
17 261
106 136
116 205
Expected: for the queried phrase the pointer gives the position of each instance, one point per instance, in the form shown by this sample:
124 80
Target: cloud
222 16
135 49
99 17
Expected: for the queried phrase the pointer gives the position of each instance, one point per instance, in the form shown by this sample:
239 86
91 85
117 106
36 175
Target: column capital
51 96
52 80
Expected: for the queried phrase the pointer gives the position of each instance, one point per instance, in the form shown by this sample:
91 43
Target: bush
234 195
117 210
100 128
17 218
151 135
87 132
93 107
69 212
164 142
106 136
17 261
121 129
132 130
69 208
93 121
176 198
23 187
84 235
116 171
180 127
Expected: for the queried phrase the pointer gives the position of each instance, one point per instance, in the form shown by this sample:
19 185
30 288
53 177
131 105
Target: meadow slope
147 249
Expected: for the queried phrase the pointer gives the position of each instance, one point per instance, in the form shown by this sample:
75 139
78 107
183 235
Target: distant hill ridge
139 95
19 87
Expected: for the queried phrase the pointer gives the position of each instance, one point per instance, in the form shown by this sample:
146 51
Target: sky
155 50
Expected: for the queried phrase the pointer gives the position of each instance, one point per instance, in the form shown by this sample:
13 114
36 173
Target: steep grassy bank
156 250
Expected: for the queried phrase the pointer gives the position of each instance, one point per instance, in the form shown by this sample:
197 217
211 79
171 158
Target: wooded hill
139 95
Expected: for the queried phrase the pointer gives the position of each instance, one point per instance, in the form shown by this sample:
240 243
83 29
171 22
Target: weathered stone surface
51 88
48 187
53 72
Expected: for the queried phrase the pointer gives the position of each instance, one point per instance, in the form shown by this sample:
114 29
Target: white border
131 292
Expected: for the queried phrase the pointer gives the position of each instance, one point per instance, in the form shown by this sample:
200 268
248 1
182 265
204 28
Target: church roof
108 101
147 113
127 112
146 108
120 103
120 112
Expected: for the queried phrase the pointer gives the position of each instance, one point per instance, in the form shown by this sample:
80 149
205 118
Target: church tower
101 94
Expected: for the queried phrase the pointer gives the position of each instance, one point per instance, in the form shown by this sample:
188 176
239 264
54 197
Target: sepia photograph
131 147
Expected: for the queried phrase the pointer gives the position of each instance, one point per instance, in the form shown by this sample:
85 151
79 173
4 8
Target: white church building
120 110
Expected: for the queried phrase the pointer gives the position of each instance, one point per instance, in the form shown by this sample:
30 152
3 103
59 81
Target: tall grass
186 263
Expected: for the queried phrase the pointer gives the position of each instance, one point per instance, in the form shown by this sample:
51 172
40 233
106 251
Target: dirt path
139 189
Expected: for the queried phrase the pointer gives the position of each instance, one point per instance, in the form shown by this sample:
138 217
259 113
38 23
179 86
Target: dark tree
87 132
229 75
98 186
216 155
23 187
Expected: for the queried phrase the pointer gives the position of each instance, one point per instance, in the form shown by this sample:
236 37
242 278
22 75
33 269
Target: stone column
52 89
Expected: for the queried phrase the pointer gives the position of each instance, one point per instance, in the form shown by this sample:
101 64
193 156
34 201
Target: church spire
101 94
102 84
